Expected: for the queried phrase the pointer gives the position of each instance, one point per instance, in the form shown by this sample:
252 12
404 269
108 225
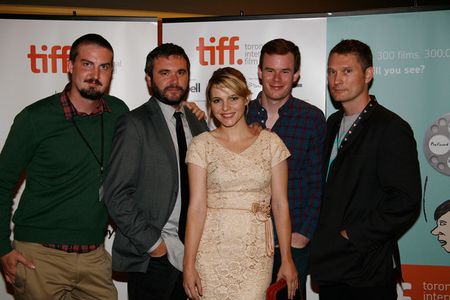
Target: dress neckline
217 141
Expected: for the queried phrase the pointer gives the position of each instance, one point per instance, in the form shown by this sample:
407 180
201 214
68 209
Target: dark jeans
161 282
343 291
301 260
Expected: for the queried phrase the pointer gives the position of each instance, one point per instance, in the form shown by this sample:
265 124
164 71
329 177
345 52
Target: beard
159 94
92 93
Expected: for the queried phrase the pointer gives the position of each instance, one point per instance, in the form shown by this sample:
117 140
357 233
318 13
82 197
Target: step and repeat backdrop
411 60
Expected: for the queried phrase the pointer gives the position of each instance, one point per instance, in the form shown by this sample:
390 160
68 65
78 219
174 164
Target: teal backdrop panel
412 78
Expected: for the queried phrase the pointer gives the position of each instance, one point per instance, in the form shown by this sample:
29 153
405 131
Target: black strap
98 159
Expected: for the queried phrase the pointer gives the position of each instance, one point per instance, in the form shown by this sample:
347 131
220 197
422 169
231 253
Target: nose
338 77
225 105
277 76
435 231
173 78
95 73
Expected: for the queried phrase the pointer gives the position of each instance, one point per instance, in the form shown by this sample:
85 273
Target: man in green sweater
61 144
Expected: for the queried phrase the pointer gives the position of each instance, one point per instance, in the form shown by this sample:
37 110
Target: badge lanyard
99 160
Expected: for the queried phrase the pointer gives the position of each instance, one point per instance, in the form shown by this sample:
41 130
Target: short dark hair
442 209
358 48
89 39
281 47
165 50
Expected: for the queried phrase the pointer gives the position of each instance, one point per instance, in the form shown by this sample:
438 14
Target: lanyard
340 143
99 160
348 134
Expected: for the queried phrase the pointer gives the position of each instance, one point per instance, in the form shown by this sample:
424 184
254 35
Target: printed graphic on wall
436 144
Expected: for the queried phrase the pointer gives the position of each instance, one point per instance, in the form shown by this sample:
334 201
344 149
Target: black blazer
141 187
373 191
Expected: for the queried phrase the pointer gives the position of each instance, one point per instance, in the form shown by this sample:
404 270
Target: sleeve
122 182
399 177
196 153
278 149
14 158
313 176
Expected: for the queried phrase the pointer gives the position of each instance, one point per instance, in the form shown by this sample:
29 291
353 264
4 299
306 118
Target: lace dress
235 254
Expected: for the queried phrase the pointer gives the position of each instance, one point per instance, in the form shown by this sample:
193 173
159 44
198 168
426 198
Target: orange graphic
39 62
207 54
426 282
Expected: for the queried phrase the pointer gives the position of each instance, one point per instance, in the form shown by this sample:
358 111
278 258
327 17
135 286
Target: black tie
184 182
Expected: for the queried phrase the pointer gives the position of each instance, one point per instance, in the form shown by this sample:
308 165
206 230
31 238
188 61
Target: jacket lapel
356 130
162 132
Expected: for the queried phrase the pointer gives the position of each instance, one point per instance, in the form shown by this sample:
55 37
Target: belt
262 214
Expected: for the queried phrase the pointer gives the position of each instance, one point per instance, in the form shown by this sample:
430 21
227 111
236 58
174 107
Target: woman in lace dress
238 179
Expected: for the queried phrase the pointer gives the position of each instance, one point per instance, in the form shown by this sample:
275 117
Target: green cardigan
60 203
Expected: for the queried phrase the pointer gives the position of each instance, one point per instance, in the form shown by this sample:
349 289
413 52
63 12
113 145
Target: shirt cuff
156 245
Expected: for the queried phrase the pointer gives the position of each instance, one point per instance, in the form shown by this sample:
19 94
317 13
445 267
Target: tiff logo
226 45
39 62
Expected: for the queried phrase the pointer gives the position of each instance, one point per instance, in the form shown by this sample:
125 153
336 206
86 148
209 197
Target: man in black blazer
143 189
373 187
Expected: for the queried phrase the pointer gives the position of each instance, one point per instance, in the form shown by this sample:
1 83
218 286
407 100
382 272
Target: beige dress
235 254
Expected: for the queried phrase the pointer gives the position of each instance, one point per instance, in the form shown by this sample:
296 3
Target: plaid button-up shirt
70 111
302 127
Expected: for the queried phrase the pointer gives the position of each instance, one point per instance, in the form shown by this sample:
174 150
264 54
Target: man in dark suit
373 188
145 188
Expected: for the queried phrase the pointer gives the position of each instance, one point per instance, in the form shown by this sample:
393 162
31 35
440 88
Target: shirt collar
70 111
283 107
168 110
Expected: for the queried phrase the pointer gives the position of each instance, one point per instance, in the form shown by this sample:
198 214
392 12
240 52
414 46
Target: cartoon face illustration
442 229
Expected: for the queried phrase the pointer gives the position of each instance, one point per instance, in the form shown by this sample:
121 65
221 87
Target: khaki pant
62 275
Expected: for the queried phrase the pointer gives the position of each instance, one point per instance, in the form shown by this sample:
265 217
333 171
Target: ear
368 74
259 73
148 79
69 66
296 76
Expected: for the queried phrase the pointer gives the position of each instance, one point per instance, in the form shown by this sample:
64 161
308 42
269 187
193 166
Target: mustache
172 87
94 81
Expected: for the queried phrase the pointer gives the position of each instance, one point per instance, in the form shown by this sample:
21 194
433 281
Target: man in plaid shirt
302 128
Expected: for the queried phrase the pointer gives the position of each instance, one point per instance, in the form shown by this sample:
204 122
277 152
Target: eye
234 98
105 67
181 72
347 71
86 64
216 100
331 72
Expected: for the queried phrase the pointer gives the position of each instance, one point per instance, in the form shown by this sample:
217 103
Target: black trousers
162 281
343 291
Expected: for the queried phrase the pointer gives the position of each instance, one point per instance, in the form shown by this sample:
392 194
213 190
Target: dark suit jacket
141 187
373 191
